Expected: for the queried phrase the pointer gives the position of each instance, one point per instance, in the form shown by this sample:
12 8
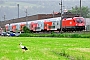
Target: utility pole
0 22
26 12
4 17
53 13
18 10
0 17
80 8
26 17
61 16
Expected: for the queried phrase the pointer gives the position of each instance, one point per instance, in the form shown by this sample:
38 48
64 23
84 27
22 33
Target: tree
26 29
85 11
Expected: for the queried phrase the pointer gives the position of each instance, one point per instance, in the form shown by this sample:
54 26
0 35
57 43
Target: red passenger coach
7 27
33 26
1 30
14 28
22 24
73 24
47 25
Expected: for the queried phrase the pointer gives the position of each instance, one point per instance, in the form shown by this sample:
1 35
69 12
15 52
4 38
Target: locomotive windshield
79 20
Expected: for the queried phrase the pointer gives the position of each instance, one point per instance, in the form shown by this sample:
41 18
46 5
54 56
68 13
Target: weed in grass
79 58
62 53
4 58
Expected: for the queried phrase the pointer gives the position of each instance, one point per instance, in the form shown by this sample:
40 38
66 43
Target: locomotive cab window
79 20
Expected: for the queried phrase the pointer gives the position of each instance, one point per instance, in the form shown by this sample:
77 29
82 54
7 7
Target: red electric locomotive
73 24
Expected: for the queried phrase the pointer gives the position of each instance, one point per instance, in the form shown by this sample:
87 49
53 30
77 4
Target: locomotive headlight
76 24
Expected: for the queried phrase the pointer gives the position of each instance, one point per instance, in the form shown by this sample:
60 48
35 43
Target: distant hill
9 8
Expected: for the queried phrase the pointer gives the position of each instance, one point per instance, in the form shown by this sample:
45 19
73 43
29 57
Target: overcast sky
43 0
68 4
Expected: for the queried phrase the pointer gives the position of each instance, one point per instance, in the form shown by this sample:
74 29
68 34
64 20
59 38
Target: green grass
45 48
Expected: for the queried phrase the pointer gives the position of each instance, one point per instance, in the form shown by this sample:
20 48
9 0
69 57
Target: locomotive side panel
73 24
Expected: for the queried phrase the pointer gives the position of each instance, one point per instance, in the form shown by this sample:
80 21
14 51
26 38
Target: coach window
57 23
29 25
53 23
37 24
41 25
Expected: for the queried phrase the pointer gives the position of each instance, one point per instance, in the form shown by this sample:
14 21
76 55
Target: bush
64 35
85 36
75 36
24 35
26 29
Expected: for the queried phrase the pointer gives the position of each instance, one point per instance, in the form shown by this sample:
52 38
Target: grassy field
45 48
